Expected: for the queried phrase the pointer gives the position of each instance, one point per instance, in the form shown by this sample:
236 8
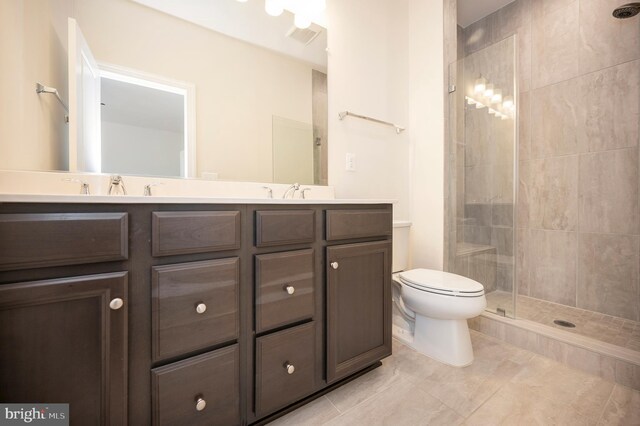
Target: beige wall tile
507 20
524 126
478 184
553 202
608 192
522 261
610 107
628 374
478 136
605 40
555 119
608 278
524 195
482 268
553 265
477 36
555 37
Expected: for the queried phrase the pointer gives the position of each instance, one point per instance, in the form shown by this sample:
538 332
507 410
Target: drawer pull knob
201 308
334 265
290 289
116 304
289 367
201 404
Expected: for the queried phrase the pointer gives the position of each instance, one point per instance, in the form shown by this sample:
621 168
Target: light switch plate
350 165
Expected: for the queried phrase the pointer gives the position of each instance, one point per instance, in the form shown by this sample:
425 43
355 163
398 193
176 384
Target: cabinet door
358 307
61 342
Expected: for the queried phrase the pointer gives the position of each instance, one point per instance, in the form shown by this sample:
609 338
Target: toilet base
447 341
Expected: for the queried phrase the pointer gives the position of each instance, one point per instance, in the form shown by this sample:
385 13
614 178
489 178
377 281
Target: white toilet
440 303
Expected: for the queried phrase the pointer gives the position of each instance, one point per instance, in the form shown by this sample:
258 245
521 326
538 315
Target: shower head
626 11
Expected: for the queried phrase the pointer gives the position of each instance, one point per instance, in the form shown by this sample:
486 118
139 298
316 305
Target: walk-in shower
543 166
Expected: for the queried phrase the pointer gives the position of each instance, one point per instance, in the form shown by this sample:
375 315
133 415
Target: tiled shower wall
578 214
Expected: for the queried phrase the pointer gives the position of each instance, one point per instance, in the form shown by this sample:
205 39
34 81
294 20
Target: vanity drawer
282 227
348 224
202 390
276 386
58 239
194 232
277 275
194 305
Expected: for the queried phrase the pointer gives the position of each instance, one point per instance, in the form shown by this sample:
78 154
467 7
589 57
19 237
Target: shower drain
563 323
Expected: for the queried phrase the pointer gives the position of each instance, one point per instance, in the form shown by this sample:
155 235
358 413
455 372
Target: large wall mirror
224 89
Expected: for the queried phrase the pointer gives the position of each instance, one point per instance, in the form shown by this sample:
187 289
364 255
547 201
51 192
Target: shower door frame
451 143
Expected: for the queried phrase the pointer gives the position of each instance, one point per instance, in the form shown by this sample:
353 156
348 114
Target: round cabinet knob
290 289
116 304
334 265
201 308
289 367
201 404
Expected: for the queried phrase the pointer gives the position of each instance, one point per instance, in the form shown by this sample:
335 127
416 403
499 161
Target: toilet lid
442 282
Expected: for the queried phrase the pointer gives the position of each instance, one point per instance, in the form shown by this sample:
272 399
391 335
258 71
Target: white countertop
133 199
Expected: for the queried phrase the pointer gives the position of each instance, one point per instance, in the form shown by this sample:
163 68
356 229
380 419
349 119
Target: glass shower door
482 170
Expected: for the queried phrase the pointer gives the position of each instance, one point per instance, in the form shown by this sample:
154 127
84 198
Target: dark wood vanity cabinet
358 307
212 314
62 342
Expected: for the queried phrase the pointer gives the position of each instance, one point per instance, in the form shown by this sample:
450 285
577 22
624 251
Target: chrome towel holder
342 115
40 88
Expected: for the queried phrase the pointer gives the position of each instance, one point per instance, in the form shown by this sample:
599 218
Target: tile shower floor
504 386
614 330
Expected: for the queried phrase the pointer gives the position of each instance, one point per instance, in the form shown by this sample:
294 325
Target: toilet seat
442 283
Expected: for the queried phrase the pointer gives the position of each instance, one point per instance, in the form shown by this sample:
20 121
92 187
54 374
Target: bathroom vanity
212 313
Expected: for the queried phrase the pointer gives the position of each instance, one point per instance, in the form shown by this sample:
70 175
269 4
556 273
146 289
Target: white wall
33 44
426 78
385 60
368 74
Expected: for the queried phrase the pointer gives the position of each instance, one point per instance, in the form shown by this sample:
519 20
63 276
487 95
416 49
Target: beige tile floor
504 386
617 331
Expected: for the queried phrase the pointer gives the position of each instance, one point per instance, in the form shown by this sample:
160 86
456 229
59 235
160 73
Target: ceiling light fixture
273 7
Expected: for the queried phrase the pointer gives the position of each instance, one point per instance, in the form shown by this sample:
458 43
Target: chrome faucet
147 188
295 187
84 186
269 191
116 185
302 196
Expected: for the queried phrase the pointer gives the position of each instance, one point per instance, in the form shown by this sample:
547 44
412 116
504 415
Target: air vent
305 36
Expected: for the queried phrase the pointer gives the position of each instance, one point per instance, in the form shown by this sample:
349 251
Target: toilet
440 303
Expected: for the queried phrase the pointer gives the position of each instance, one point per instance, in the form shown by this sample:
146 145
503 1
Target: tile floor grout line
488 399
334 405
369 397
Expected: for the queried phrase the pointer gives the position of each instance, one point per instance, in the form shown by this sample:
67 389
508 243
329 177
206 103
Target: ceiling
134 105
249 22
470 11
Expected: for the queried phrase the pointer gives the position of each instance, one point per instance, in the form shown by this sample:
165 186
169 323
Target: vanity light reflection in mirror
236 76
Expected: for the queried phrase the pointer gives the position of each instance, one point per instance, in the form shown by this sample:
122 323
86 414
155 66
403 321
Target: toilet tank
400 260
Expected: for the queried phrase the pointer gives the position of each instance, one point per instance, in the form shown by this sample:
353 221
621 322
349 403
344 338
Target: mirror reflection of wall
239 85
143 129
